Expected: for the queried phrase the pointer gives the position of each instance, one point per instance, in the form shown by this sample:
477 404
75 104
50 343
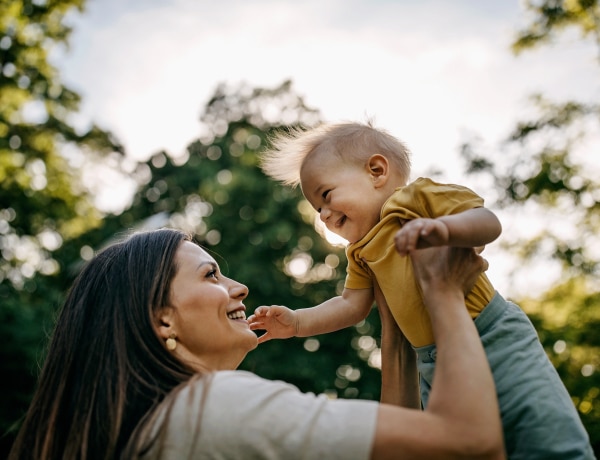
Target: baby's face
343 194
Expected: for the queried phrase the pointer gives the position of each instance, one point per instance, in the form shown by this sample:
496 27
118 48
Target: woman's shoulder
228 379
242 415
236 384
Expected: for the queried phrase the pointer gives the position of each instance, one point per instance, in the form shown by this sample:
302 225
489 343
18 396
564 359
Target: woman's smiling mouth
237 314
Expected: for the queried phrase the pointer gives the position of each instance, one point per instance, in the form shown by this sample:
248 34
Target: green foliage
42 201
568 320
259 232
550 17
548 165
255 228
44 206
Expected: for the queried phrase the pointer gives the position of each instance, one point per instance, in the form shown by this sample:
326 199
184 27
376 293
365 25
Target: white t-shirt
247 417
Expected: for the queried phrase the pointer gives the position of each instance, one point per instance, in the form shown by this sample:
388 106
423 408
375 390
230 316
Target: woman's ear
379 168
164 322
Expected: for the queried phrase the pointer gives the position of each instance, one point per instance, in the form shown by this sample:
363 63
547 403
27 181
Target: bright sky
428 71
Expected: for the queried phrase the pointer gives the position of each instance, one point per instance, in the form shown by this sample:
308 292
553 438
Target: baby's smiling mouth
340 222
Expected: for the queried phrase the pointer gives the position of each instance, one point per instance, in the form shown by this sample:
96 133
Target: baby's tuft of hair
288 149
350 141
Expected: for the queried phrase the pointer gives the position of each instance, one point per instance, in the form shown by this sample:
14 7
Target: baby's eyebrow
319 189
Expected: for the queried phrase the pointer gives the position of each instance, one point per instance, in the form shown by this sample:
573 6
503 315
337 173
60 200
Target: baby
357 178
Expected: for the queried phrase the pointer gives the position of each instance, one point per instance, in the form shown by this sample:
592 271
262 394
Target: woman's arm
399 375
462 419
245 416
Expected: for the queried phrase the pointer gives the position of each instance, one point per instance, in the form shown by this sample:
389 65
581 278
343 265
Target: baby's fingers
255 324
264 338
406 240
262 311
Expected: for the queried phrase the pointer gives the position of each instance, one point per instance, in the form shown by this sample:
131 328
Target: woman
142 365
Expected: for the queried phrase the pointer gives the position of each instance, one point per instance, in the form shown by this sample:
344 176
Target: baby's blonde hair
350 141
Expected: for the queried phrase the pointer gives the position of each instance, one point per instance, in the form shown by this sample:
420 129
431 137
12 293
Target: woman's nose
238 290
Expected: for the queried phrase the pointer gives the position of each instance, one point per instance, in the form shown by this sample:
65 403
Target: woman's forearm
462 419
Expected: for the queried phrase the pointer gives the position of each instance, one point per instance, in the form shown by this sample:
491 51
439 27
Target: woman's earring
171 343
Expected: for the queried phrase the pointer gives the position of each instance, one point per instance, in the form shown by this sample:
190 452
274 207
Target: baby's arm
336 313
471 228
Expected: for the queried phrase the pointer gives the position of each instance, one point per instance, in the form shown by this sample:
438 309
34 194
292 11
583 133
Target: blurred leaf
548 168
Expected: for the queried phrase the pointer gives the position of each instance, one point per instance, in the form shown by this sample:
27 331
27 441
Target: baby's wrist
296 324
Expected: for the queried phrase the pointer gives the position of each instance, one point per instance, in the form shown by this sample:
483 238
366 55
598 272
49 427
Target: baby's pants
538 417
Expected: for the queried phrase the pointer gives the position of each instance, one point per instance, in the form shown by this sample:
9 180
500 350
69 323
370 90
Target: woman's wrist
440 295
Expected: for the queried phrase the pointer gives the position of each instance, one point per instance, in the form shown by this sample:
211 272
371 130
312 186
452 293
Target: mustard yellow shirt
375 255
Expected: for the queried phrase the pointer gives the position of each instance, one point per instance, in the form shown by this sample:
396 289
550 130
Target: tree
261 233
43 203
548 165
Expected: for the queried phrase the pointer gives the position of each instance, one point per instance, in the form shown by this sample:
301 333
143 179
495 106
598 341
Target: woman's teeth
238 314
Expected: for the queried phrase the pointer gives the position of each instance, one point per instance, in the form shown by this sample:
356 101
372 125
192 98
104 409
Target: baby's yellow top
375 255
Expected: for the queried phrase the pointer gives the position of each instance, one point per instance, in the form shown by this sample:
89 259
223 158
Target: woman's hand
448 267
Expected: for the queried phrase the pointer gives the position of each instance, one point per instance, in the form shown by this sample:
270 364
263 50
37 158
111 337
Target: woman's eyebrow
207 262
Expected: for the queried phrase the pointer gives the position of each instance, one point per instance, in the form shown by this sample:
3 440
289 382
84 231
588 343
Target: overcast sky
428 71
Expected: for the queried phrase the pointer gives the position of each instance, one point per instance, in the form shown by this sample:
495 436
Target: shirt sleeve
358 276
245 416
426 198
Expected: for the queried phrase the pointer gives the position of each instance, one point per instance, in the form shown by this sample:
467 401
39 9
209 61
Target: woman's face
207 313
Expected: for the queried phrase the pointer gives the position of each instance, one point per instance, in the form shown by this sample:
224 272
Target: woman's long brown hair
105 367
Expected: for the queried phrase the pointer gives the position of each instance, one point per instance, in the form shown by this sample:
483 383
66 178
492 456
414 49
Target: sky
430 72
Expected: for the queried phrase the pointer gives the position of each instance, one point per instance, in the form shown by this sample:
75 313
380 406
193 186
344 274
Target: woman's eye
212 274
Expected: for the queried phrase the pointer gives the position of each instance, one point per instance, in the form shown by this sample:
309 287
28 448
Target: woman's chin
254 342
250 340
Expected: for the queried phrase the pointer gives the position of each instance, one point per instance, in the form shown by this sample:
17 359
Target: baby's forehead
322 171
315 163
324 156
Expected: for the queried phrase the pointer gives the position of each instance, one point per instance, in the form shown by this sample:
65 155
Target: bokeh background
117 116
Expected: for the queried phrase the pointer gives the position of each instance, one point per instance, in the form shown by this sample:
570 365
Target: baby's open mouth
340 222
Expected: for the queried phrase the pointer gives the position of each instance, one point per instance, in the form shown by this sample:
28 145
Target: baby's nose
324 214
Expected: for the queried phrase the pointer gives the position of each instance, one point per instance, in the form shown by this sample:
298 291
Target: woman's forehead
191 252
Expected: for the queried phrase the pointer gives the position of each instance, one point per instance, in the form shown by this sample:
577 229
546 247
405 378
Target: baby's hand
419 234
280 322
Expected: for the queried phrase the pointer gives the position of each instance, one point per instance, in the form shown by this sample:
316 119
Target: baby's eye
325 193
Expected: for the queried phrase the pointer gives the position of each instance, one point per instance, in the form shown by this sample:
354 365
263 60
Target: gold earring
171 343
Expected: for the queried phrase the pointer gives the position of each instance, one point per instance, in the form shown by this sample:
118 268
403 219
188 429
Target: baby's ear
378 167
